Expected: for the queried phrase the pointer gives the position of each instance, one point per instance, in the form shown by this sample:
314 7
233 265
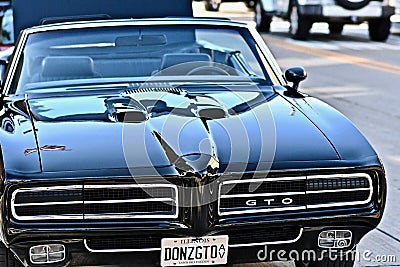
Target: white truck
303 13
213 5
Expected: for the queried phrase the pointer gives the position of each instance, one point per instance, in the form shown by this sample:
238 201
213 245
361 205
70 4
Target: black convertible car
174 142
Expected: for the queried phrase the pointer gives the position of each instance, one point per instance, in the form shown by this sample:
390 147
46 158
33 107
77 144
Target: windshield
190 53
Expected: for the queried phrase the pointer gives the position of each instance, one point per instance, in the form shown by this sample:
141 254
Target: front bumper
79 254
125 242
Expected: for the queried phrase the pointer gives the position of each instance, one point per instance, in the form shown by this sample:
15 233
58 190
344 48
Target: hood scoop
161 98
122 109
211 113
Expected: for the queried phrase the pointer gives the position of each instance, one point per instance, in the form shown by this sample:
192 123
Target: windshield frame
262 53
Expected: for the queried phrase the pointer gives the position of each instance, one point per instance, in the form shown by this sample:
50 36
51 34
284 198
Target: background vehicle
7 27
213 5
6 22
396 18
337 13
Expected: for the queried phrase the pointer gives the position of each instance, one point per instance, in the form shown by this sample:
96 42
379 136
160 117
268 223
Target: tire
7 258
335 27
300 25
263 21
212 5
352 4
379 29
250 3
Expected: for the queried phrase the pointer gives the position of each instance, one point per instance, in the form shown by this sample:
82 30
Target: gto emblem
270 201
251 202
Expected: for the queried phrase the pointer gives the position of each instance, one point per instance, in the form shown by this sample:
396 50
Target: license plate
208 250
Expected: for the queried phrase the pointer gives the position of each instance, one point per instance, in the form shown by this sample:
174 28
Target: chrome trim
231 246
260 210
255 180
173 214
118 250
43 217
47 254
266 52
130 186
339 176
48 217
251 210
330 176
350 203
13 64
337 247
134 22
130 201
109 216
48 203
270 243
338 190
263 195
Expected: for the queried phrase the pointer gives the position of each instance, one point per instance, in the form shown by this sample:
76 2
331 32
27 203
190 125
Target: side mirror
295 75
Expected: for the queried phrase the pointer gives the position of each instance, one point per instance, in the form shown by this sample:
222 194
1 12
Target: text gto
270 201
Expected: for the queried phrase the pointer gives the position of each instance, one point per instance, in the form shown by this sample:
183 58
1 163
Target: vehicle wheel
250 3
352 4
336 27
212 5
263 21
7 258
300 25
379 29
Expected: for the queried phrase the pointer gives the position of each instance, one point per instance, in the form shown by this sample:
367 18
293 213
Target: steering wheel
207 70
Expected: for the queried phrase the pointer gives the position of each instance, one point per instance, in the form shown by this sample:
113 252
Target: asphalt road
361 79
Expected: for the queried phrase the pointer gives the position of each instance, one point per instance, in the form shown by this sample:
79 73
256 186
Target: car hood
174 131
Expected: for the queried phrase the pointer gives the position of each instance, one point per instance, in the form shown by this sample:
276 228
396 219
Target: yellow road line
335 56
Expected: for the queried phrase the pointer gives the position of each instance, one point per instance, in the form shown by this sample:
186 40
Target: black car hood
176 131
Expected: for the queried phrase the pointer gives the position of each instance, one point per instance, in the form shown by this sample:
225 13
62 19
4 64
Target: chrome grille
48 203
293 193
338 190
92 202
262 195
130 201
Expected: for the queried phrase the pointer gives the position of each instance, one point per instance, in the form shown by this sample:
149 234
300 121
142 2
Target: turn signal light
44 254
335 239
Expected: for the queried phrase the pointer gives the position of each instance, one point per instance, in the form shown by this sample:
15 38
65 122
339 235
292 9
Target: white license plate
208 250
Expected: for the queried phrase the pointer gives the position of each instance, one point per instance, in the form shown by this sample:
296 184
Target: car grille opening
237 238
269 195
242 238
84 202
113 244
